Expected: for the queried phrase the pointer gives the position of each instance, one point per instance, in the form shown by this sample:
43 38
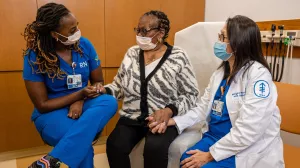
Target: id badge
217 107
74 81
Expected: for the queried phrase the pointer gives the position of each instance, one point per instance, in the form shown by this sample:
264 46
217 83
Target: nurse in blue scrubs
58 64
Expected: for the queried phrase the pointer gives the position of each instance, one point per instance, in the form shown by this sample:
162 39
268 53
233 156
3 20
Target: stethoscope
273 28
283 60
276 65
286 67
289 58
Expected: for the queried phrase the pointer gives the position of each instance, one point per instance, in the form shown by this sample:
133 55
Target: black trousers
124 138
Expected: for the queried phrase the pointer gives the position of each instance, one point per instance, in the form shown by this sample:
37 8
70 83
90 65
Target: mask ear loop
232 53
160 39
226 48
62 35
157 38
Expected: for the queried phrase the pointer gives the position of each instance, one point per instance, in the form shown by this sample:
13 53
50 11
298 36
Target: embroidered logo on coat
261 89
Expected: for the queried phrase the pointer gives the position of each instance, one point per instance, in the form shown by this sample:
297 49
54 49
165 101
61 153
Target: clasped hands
93 91
160 120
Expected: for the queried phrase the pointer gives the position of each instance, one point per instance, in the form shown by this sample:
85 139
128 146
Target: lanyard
73 67
223 88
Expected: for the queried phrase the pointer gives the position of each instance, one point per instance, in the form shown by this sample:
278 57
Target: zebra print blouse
171 84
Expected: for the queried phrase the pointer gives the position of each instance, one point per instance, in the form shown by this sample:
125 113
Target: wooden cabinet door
14 16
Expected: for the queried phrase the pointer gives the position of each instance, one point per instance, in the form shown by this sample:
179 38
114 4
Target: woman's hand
171 122
89 92
162 115
99 87
75 110
161 128
197 159
159 120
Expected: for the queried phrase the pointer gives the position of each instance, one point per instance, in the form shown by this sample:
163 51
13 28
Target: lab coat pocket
237 100
266 159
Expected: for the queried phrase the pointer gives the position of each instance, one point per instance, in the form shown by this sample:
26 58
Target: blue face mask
220 51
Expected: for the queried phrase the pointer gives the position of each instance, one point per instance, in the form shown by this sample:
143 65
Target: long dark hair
38 38
245 41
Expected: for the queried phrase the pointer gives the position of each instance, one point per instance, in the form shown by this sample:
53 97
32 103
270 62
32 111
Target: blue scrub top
219 126
85 64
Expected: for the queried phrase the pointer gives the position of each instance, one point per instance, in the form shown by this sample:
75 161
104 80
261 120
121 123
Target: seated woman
239 106
58 64
154 79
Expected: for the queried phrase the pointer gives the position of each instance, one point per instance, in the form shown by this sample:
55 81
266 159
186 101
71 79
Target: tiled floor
100 160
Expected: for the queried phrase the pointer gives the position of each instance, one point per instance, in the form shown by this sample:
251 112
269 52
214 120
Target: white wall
258 10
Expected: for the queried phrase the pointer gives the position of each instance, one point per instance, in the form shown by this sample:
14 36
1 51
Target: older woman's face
148 27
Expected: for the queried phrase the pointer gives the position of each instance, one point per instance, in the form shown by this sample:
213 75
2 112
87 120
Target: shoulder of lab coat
254 115
200 111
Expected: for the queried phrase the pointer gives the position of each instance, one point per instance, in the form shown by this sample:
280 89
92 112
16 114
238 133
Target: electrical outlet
266 36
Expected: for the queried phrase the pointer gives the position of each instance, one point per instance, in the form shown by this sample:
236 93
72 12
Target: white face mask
145 43
71 39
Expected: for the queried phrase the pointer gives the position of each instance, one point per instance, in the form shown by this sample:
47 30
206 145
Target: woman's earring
159 40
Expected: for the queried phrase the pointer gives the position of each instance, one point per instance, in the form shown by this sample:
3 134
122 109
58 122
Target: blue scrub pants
72 139
203 145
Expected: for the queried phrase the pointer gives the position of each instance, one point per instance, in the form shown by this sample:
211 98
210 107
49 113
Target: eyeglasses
221 37
144 31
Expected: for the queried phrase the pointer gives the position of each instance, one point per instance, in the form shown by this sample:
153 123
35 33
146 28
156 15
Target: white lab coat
254 138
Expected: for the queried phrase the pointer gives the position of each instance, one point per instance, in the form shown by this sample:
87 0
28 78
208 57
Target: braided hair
39 39
163 21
